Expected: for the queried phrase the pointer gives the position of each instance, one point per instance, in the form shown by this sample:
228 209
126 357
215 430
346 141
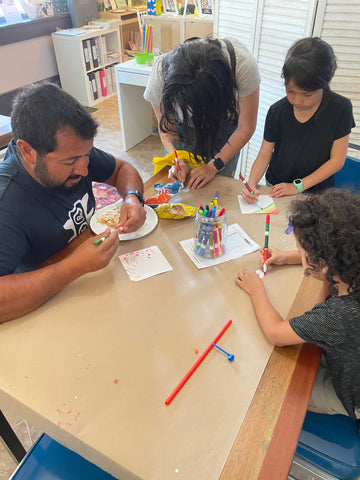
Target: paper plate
149 225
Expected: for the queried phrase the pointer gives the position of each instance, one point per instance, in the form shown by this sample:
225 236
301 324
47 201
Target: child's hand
249 197
275 256
283 189
249 282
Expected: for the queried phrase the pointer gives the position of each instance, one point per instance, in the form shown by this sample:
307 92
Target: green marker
98 242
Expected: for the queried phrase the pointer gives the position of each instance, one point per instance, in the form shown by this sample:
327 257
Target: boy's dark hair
327 226
199 83
41 109
310 63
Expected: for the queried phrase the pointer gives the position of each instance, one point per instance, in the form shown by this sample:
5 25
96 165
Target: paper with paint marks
144 263
264 205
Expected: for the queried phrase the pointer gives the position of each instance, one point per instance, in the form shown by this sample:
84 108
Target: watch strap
137 194
298 184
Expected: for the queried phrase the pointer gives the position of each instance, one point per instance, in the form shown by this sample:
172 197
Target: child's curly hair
327 226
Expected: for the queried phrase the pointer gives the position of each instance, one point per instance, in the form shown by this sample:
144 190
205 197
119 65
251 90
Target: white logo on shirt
79 218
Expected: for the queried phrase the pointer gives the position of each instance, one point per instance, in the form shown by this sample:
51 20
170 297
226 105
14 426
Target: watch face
219 164
298 182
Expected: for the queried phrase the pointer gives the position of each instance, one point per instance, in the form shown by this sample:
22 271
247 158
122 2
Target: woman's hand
174 175
200 176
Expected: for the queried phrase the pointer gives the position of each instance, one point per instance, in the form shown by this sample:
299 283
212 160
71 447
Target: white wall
26 62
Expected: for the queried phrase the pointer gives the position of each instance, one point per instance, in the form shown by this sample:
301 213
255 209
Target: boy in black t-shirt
307 132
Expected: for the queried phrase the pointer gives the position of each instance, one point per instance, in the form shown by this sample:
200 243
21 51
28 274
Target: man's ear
27 152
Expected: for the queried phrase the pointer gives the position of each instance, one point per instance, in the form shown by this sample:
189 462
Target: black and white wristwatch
218 163
137 194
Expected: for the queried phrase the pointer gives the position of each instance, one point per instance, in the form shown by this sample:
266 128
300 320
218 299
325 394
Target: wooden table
263 442
5 131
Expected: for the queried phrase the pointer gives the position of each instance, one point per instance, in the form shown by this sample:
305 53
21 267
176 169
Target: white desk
135 111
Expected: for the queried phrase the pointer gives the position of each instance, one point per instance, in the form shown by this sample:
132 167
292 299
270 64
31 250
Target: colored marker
196 364
229 355
178 169
247 186
266 243
98 242
216 198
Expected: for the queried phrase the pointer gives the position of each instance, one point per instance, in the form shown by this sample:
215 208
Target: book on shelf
103 50
93 86
113 57
90 54
98 83
86 55
103 82
108 81
94 53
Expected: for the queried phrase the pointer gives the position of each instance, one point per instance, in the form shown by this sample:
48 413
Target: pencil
266 243
197 363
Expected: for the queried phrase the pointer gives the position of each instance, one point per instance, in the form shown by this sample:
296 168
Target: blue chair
329 446
48 460
349 175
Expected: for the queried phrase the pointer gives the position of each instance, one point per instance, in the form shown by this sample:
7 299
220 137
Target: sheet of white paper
238 243
144 263
264 203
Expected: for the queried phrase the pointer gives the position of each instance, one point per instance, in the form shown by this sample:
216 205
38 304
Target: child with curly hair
327 233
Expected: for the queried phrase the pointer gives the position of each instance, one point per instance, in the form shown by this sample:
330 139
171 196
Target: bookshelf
86 58
169 29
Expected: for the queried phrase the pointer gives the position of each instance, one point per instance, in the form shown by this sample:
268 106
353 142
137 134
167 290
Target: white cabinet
86 60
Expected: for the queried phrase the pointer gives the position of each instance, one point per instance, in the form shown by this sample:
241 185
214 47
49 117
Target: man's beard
42 174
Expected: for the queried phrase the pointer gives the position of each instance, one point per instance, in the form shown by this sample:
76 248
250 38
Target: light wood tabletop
258 442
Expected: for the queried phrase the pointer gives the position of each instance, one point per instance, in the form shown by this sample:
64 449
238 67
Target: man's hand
90 258
132 215
200 176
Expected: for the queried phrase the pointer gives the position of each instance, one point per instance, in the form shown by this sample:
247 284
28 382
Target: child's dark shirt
334 326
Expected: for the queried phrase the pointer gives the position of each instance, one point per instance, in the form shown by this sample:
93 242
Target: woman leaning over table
205 95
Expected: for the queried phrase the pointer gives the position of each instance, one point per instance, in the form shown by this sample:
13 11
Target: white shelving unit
79 77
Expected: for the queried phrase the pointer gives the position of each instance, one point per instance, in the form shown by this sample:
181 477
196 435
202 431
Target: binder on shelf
93 86
98 83
86 55
112 71
94 53
90 55
108 81
98 50
103 50
103 82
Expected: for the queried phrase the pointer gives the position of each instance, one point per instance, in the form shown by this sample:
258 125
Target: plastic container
210 235
142 58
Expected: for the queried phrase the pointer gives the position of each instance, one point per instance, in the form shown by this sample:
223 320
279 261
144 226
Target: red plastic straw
197 363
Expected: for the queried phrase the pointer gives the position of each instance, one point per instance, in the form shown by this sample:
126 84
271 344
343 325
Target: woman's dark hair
199 91
327 226
310 63
41 109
